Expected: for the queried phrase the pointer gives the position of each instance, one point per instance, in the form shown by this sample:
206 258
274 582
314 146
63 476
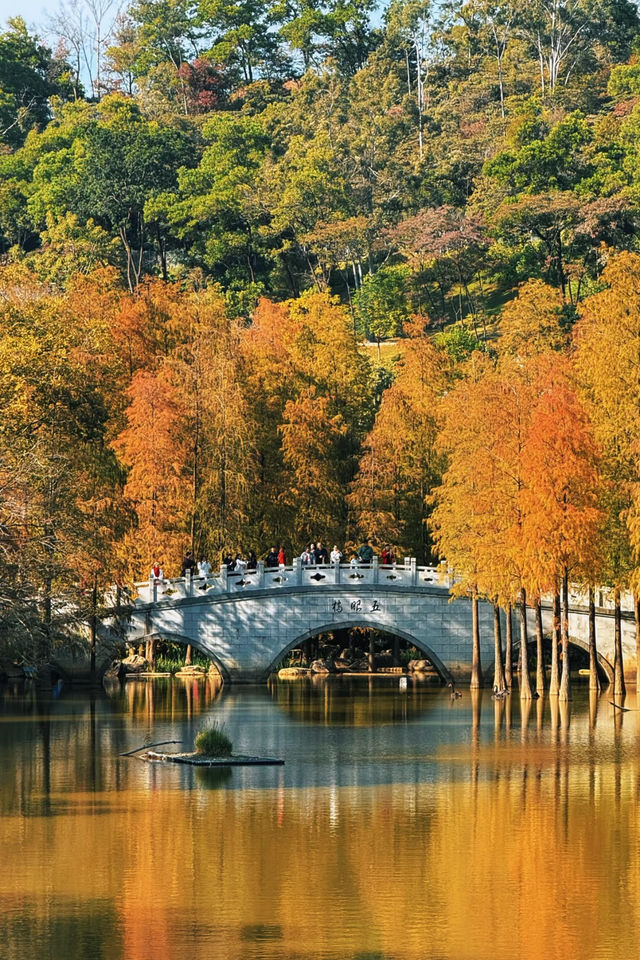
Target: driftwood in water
145 746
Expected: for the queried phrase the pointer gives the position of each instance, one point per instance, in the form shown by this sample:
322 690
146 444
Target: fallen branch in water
618 707
145 746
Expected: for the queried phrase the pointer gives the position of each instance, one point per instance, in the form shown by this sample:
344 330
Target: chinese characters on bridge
355 606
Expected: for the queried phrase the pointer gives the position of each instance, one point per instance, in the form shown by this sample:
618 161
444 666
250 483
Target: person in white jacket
335 556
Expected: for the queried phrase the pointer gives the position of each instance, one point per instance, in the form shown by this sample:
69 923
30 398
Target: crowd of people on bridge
315 554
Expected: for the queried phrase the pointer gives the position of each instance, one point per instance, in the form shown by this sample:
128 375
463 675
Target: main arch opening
357 649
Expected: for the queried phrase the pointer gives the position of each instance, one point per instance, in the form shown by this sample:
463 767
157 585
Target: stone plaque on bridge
339 606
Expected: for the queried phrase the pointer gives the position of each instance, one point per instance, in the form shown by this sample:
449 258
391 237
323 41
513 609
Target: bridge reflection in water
527 822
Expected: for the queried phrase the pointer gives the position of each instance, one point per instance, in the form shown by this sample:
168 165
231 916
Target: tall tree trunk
594 680
498 668
508 653
94 629
636 611
554 680
476 667
188 657
619 689
539 649
565 679
525 682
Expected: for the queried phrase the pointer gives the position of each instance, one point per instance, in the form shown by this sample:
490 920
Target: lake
403 825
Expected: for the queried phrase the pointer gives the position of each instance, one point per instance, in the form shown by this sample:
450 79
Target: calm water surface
402 826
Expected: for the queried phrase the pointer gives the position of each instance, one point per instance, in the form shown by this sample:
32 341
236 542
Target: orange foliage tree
401 463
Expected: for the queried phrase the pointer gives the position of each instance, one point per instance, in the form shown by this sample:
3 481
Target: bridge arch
603 663
166 636
334 625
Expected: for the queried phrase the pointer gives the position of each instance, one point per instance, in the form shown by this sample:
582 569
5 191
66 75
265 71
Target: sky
33 11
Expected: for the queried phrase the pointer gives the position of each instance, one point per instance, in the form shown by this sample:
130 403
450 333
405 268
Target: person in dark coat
365 553
272 557
252 561
321 553
188 565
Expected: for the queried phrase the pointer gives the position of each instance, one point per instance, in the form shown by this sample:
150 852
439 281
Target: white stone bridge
246 622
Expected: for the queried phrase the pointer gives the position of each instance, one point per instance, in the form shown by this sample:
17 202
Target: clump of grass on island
213 742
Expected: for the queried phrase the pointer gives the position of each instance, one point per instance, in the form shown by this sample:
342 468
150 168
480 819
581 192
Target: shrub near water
213 742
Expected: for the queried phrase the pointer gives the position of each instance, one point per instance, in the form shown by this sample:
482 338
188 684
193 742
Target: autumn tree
401 463
607 337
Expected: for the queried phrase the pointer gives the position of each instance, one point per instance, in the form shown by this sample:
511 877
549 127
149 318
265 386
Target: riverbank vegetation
207 236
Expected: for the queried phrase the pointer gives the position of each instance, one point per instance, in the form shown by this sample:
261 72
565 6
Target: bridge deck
407 574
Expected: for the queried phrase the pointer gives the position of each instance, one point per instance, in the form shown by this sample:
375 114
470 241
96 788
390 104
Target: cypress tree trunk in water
539 650
372 653
508 653
525 682
498 668
476 667
188 657
554 680
565 682
636 610
594 680
619 688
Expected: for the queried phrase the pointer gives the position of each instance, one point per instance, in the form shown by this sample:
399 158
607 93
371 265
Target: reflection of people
365 553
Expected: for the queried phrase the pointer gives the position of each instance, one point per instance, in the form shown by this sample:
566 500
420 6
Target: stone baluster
375 570
297 571
153 590
414 572
261 573
336 573
188 584
223 577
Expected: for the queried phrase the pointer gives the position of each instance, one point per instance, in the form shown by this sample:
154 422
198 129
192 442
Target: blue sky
33 11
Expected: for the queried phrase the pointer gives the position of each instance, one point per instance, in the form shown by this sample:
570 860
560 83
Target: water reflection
431 830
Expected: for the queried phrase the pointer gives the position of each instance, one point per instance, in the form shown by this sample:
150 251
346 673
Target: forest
274 271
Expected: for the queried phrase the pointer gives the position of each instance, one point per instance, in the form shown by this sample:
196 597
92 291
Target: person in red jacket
282 559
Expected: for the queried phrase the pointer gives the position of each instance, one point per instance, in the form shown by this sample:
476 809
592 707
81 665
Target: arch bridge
245 622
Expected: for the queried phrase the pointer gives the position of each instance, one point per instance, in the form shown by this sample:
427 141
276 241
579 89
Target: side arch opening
167 640
578 657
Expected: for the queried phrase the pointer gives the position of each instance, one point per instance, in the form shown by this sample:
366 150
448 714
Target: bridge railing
406 573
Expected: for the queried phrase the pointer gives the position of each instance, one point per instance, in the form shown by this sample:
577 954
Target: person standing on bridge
387 557
204 568
365 553
157 573
252 561
188 565
322 557
282 558
335 556
306 557
272 557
